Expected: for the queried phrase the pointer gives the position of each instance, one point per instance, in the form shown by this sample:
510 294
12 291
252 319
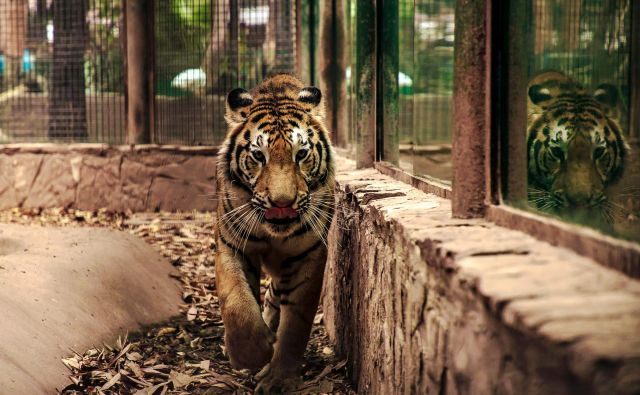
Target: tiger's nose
282 201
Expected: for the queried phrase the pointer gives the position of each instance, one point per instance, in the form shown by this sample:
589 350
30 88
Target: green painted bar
388 75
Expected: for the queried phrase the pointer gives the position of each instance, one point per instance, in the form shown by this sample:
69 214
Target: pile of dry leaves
186 354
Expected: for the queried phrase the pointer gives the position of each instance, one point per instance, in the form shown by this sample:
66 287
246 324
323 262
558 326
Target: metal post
515 75
470 108
332 69
634 74
365 79
140 71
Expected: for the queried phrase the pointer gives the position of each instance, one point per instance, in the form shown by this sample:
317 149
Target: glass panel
426 86
581 154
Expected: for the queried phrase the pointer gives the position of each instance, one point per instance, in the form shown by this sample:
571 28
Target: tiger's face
277 152
575 143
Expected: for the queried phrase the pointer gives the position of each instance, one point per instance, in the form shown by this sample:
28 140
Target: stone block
99 185
55 183
201 168
136 179
181 195
17 176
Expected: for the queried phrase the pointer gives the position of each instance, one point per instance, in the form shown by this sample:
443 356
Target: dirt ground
184 355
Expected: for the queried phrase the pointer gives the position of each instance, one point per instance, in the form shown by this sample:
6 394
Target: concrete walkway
71 288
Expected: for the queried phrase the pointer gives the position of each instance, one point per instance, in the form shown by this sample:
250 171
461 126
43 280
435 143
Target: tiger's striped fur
275 205
575 142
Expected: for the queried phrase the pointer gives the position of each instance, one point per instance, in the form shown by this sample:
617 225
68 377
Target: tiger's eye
598 152
301 154
258 155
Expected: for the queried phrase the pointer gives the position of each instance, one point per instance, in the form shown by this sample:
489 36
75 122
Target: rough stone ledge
118 178
424 303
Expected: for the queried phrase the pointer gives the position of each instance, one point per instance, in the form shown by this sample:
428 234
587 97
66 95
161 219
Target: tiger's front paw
249 343
272 380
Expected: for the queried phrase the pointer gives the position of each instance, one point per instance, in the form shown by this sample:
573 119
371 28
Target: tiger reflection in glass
575 145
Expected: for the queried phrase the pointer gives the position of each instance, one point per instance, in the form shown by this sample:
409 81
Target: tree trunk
13 31
67 107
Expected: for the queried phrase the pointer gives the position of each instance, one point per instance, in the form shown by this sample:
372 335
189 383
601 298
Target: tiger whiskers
216 195
236 221
255 219
613 211
318 226
544 200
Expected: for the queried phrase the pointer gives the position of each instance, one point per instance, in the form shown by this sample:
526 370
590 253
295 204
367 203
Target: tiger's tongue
280 213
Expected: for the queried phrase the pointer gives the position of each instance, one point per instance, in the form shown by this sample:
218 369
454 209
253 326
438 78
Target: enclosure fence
63 66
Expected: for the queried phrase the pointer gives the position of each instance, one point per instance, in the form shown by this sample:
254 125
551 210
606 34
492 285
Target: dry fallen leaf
165 331
111 382
180 380
192 313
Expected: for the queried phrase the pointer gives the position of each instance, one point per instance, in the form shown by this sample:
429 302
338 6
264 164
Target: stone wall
118 178
421 303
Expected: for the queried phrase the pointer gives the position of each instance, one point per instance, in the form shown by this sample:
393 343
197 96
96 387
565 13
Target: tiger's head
575 143
277 156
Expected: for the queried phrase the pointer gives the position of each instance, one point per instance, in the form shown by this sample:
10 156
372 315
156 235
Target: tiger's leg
248 340
299 297
271 308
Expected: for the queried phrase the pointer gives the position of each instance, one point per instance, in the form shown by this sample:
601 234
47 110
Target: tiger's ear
238 101
607 94
311 97
539 94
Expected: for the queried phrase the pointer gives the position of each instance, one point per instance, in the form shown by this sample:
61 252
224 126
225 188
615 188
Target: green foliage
182 33
104 60
193 13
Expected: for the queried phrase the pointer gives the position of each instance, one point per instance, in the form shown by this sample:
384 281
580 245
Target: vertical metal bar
233 38
298 43
125 65
140 71
312 42
365 78
469 122
634 74
332 67
515 77
492 110
388 93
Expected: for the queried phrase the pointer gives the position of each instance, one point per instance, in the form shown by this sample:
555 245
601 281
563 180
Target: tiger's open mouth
281 215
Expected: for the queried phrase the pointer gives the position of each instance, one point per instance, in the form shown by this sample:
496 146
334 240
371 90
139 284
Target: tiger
275 181
576 147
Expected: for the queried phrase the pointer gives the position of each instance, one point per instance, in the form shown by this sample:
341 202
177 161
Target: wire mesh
61 69
204 49
62 66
